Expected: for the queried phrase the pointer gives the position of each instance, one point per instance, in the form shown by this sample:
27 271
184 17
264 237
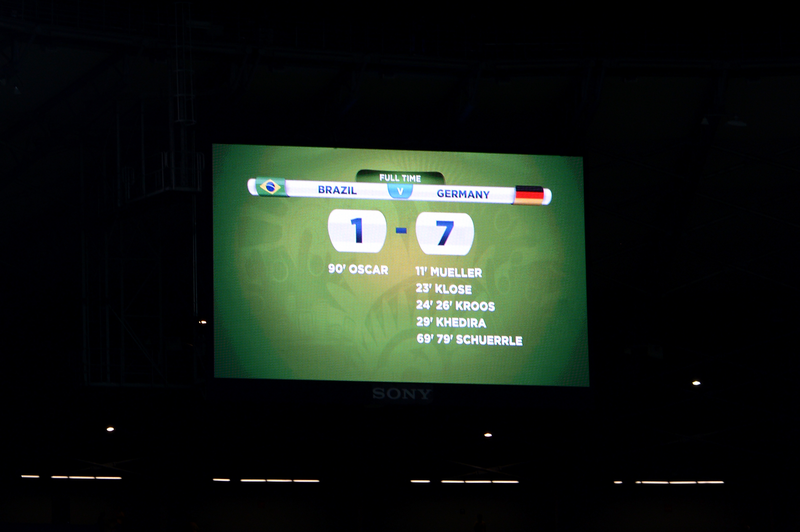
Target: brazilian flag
271 186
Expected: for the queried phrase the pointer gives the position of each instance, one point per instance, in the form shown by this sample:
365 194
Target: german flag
530 195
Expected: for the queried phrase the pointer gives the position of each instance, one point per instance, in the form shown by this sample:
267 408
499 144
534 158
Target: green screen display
399 266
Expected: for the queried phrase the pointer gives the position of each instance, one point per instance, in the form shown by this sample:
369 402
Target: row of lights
308 480
418 481
74 477
284 480
468 481
692 482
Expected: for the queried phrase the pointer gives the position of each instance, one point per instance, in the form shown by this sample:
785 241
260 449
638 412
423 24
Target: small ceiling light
695 382
202 322
487 434
109 429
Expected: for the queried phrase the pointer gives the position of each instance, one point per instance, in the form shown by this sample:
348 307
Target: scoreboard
392 266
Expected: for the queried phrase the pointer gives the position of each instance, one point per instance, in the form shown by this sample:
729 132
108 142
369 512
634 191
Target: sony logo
402 394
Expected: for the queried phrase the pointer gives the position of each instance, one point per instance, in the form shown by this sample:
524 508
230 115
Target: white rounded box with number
445 233
357 231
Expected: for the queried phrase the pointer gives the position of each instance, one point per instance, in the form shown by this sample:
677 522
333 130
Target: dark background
690 142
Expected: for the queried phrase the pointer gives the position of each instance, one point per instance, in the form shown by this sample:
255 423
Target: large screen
388 266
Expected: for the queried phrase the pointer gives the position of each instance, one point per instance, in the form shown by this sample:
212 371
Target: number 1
357 223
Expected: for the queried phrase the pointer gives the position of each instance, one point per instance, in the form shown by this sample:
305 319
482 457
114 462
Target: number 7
448 225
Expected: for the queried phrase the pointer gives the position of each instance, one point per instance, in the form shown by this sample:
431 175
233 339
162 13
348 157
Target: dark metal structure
107 115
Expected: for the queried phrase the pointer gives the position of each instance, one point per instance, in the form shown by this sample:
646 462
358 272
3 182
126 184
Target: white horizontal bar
380 191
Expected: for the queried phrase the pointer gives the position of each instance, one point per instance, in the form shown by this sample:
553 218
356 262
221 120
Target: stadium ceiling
691 151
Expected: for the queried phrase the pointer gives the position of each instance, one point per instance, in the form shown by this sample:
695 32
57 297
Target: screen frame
400 393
